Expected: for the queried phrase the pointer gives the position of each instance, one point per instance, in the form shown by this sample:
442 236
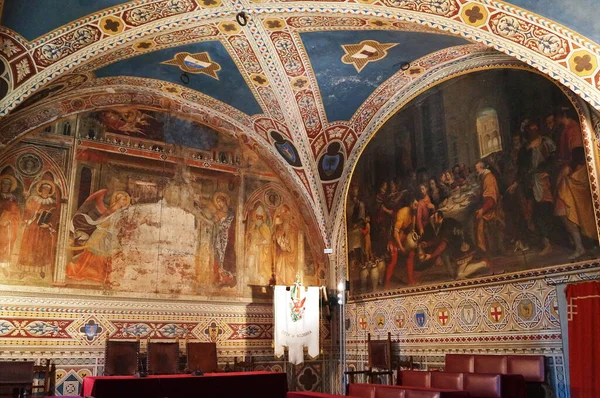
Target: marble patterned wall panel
72 333
513 318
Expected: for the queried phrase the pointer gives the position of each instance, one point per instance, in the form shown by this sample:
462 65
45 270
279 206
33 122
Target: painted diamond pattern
35 328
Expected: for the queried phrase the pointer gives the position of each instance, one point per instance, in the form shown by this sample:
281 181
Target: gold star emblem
364 52
195 63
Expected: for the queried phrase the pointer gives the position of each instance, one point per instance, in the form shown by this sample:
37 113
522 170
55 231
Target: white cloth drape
296 322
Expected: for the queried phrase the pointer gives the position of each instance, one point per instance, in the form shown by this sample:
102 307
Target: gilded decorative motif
195 63
361 54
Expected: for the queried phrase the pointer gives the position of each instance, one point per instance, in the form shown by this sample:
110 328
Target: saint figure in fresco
574 202
570 136
221 216
41 224
489 218
356 217
403 241
259 245
536 164
95 236
9 220
285 242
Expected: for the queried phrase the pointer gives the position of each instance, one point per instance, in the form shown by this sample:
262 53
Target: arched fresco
141 213
443 194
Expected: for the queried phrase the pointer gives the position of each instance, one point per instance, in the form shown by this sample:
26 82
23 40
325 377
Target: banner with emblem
296 313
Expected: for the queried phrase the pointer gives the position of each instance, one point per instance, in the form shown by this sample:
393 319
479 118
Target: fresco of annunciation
147 214
483 174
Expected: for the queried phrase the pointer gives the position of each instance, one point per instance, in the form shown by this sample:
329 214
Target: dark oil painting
481 175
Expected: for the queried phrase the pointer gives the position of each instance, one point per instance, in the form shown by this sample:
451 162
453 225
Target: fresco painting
30 200
482 175
159 222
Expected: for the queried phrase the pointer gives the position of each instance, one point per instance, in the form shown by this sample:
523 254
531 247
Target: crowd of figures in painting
482 175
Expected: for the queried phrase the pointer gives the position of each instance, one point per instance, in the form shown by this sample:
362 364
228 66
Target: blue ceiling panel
230 88
342 87
34 18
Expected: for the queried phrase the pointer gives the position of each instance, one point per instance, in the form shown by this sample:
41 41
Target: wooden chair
201 357
379 362
45 373
163 358
243 366
16 378
121 358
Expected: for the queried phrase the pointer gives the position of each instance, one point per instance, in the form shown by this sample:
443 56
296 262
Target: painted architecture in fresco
146 214
459 185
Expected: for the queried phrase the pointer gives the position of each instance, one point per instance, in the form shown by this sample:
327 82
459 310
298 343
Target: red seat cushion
362 390
490 364
530 366
447 380
383 391
415 378
460 363
482 385
422 394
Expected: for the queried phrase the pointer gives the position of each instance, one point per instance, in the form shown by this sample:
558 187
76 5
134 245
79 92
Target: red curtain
583 307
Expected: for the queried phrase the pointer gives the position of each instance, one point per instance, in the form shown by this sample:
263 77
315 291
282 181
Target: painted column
241 274
62 241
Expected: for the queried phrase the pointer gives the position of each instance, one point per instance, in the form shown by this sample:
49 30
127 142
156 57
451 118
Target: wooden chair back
201 357
46 373
244 365
16 377
121 358
380 353
163 358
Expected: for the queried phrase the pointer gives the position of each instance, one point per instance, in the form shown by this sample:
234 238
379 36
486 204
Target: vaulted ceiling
288 77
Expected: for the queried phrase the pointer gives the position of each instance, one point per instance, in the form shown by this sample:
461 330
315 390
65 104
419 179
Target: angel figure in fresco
9 220
259 245
41 224
285 242
221 216
95 236
125 120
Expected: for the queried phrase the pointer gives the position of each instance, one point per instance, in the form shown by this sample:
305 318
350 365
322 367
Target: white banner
296 313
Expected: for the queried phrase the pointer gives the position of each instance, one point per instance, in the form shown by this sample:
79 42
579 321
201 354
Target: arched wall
429 321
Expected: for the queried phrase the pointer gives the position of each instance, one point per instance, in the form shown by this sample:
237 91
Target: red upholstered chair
422 394
361 390
463 363
201 357
490 364
163 358
483 385
447 380
16 377
415 378
383 391
532 367
121 358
